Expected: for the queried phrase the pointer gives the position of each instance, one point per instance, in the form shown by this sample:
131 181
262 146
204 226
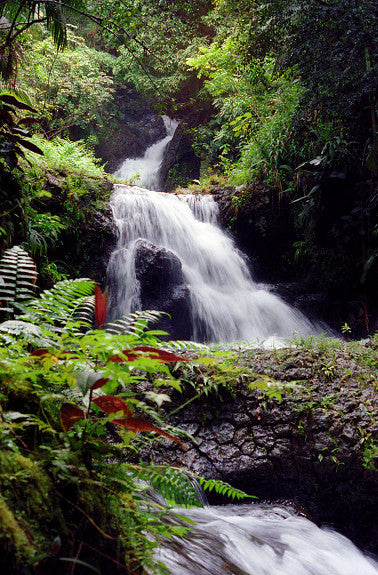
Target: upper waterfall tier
225 303
147 168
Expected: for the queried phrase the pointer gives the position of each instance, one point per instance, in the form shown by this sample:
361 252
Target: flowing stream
259 540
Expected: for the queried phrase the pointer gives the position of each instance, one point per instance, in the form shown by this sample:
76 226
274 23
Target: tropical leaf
69 415
110 404
136 424
101 305
13 101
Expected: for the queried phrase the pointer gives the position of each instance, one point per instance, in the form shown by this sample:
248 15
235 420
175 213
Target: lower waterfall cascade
226 304
259 540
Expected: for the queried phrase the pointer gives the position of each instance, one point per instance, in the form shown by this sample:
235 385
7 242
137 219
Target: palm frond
18 275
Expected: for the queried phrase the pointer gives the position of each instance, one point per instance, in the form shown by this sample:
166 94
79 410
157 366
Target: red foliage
101 305
69 415
152 352
99 383
110 404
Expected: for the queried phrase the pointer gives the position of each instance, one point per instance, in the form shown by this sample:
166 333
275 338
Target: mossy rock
30 517
15 544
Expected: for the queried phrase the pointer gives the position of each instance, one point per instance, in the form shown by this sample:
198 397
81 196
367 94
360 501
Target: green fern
18 275
173 484
135 323
67 305
69 302
186 346
182 487
222 488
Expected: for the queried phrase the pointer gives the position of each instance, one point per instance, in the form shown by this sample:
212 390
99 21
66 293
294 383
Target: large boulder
162 287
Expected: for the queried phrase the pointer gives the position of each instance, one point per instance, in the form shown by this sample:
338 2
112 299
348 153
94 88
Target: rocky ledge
293 424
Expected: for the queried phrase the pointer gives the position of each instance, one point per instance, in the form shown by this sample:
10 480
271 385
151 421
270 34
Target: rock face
88 239
136 127
311 448
180 165
162 287
320 282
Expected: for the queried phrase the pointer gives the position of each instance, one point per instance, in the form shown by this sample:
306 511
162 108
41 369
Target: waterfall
259 540
226 304
147 168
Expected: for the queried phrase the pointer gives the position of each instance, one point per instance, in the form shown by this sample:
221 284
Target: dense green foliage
51 199
72 489
71 88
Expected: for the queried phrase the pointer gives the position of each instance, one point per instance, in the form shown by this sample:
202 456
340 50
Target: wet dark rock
180 165
162 287
135 127
262 221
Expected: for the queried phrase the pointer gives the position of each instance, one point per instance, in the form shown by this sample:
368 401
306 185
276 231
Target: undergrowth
73 496
61 154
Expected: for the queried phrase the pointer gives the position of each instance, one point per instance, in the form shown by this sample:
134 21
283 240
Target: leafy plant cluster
72 492
73 89
294 91
57 186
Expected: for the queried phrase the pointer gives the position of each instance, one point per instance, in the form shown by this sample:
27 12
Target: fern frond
135 323
221 488
15 328
186 346
173 484
18 275
84 311
60 305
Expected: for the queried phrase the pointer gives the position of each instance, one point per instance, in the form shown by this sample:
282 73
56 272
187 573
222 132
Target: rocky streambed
294 424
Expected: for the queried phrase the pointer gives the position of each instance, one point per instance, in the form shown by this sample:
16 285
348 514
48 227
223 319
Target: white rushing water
147 167
227 305
259 540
